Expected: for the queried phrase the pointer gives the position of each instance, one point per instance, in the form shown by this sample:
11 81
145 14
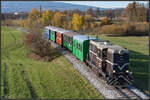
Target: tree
105 21
47 17
34 17
110 13
136 12
89 11
77 11
77 21
57 19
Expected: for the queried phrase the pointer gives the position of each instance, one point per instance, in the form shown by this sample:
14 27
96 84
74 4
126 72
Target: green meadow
23 77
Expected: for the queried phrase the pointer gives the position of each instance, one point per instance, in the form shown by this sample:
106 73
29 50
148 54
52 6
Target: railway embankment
107 91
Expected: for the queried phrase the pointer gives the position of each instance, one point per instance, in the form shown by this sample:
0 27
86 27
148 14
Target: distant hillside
27 6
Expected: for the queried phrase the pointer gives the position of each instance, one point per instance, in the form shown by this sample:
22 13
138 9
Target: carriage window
70 40
105 53
74 43
67 39
79 47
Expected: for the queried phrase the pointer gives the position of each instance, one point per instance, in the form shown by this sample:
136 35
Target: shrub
105 21
38 45
132 29
11 22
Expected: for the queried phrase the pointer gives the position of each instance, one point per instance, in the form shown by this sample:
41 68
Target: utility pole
40 10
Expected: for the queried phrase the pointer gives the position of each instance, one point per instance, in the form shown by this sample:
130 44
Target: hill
27 6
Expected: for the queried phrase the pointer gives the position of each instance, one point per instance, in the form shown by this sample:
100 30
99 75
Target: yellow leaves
105 21
34 15
85 26
47 17
88 17
136 12
77 21
92 25
57 19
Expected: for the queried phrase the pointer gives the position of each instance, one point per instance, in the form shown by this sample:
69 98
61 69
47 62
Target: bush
105 21
38 45
10 22
127 29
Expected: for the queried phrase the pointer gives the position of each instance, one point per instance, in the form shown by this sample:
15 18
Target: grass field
139 53
23 77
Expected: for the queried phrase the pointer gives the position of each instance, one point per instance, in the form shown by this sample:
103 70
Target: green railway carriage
52 31
68 39
81 46
53 36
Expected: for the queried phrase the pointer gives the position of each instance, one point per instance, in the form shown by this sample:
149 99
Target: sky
104 4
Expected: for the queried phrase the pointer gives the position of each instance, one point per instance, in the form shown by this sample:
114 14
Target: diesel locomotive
111 62
107 60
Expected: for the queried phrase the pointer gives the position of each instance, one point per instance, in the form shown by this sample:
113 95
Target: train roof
101 44
82 38
117 49
71 33
53 28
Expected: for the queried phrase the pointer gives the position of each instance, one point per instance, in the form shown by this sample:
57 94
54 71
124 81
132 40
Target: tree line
86 20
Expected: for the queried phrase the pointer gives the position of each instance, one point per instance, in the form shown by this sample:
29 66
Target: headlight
114 71
127 71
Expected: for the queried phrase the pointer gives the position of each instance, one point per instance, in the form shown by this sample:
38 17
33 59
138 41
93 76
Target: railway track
126 93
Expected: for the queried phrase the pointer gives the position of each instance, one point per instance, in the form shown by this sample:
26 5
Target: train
107 60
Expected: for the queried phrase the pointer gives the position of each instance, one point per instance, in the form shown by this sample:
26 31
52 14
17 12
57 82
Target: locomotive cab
98 55
117 66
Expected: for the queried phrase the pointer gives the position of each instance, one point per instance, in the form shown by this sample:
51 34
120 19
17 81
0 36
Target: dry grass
127 29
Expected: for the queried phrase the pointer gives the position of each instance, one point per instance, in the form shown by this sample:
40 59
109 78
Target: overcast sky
104 4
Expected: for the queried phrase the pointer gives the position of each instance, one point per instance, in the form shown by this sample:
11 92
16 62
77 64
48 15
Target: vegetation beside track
23 77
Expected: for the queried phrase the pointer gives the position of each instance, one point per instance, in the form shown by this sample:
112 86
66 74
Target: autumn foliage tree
47 17
106 21
89 11
57 19
34 17
136 12
77 21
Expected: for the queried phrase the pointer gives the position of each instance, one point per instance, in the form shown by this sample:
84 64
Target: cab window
99 53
